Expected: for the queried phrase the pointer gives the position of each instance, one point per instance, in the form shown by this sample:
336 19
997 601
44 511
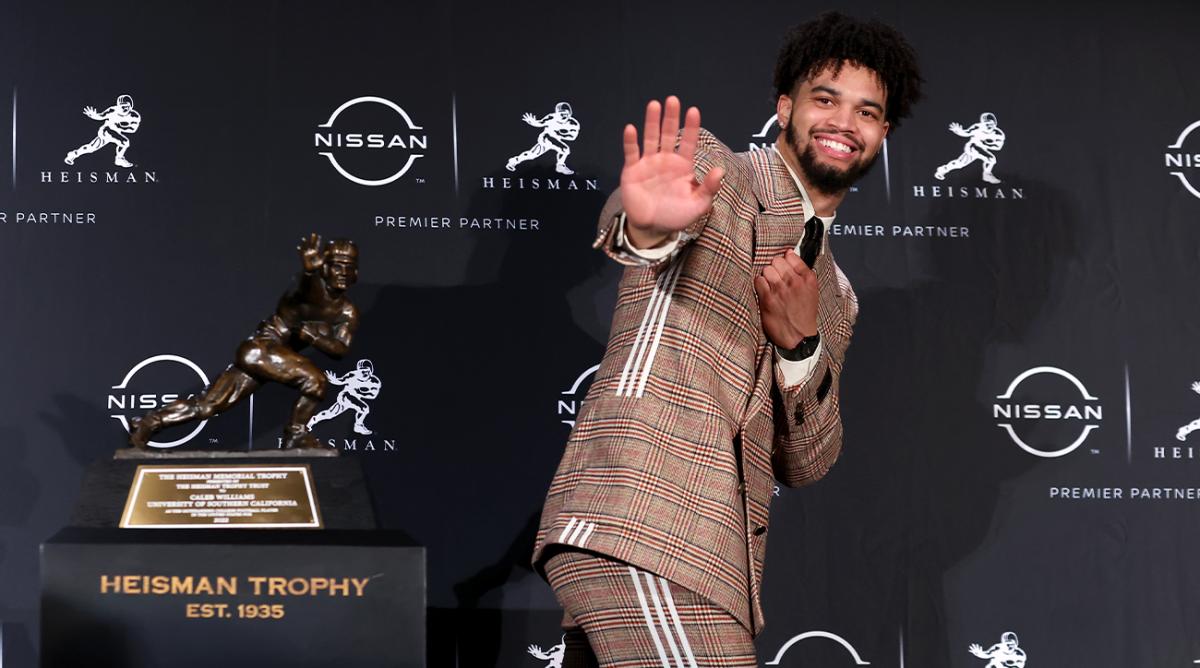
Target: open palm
659 190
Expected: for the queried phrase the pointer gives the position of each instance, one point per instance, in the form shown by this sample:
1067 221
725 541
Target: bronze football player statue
314 312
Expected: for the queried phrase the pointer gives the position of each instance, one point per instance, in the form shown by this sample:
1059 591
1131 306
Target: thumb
712 181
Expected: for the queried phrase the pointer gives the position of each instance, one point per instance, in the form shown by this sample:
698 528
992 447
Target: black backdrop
483 306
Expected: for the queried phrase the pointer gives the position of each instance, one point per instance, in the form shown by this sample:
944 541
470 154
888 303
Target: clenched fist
788 294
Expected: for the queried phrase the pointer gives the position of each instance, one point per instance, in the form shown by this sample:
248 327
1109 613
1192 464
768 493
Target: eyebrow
837 93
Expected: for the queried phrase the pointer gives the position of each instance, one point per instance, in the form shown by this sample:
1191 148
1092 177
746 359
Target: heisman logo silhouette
1194 425
983 138
558 128
1004 654
117 121
358 387
554 655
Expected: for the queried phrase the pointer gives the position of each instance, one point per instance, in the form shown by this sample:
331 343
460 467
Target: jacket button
741 488
758 531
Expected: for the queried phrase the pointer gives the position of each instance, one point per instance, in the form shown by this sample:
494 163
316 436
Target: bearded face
825 177
834 126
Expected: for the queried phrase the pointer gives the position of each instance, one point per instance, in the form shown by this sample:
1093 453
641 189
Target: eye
824 101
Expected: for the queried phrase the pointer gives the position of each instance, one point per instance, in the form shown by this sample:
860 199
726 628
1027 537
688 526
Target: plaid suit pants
618 616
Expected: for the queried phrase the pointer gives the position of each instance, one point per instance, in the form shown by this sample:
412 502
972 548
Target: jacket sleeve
808 419
709 153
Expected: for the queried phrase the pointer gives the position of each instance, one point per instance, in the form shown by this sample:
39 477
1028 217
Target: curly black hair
833 39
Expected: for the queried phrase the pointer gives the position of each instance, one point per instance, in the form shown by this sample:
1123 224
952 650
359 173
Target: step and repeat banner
1020 484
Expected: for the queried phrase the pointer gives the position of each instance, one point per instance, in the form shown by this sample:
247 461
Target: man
1194 425
118 120
983 138
554 655
314 312
558 128
358 387
1004 654
723 365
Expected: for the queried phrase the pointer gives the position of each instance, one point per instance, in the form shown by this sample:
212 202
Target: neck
824 204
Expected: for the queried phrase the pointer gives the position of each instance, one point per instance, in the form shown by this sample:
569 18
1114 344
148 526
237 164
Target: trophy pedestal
133 598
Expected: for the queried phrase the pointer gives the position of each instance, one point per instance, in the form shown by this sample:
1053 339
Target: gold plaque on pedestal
245 496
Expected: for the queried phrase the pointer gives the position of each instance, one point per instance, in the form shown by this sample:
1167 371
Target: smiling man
723 366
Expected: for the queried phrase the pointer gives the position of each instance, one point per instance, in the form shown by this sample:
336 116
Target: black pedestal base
232 598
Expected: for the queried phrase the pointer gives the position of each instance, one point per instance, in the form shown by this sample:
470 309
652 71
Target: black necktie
811 244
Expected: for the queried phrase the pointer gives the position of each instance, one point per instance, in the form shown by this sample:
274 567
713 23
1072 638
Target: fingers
794 262
785 270
789 266
691 134
771 273
662 125
670 124
762 287
629 141
651 128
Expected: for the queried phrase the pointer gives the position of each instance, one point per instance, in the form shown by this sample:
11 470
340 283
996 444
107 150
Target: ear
886 127
783 109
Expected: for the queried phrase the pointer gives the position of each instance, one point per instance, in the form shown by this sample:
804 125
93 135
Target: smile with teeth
835 146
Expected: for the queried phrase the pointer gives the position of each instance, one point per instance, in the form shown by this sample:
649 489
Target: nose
843 118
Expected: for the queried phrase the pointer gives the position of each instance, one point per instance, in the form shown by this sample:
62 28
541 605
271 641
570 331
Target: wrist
802 350
645 238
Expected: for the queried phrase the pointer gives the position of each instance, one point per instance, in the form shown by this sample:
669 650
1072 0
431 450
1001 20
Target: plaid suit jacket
672 461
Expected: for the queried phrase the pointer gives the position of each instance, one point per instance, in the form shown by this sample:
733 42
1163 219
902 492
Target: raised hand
310 252
659 191
91 113
977 651
788 295
530 119
957 129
